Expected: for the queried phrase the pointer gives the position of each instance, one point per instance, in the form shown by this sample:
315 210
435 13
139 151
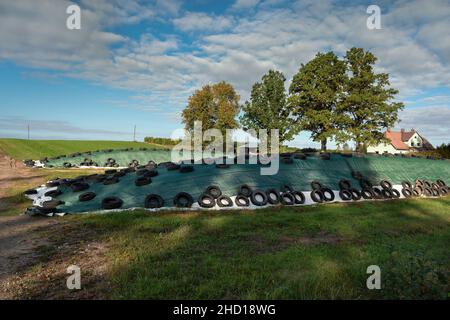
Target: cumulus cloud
433 122
244 4
199 21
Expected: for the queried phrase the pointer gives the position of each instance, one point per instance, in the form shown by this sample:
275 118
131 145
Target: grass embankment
36 149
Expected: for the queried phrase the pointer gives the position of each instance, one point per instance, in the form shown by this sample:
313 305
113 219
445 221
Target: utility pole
28 131
134 134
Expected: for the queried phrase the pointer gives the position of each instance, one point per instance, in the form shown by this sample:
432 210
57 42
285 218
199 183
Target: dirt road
36 251
18 242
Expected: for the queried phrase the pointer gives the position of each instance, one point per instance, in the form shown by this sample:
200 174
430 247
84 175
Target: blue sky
137 62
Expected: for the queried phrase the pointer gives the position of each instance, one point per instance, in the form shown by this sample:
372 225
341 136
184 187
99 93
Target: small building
401 142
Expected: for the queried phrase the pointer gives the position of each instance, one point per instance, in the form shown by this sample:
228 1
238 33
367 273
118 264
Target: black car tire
153 201
287 199
317 195
87 196
109 203
259 198
214 191
206 201
273 197
345 184
328 194
245 190
224 201
299 197
242 201
183 200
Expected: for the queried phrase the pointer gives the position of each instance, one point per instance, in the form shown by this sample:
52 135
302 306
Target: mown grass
319 252
36 149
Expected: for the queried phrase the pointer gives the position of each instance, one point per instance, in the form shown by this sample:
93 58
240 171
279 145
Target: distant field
36 149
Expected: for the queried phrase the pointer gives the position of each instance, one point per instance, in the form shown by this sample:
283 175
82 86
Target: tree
315 92
216 106
267 108
367 104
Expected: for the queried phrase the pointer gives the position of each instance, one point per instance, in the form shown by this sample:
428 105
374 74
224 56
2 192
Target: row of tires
245 195
110 177
213 196
286 158
88 153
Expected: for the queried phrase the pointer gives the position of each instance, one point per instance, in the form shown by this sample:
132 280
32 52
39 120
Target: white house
401 142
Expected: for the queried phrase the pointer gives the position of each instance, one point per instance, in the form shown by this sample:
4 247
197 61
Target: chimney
402 130
412 130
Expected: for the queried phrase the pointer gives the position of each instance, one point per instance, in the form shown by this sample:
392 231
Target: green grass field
319 252
36 149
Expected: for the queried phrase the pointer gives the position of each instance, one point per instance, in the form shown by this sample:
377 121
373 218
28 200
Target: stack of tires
387 191
89 163
111 163
408 190
212 196
133 164
29 163
321 193
68 165
430 189
347 192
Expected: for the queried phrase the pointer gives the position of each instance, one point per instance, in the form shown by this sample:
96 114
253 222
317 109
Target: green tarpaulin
299 174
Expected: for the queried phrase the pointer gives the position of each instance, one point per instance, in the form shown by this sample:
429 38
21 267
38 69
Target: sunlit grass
287 253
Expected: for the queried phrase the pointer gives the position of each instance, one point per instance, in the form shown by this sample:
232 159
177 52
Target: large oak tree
267 108
216 106
315 93
368 104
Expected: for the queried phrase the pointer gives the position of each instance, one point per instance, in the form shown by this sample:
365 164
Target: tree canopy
216 106
267 108
368 102
315 93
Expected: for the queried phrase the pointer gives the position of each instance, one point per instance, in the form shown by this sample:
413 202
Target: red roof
396 138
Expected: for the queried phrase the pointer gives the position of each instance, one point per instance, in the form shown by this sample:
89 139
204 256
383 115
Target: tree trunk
323 145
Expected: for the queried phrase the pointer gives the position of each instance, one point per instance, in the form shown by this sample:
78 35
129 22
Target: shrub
162 141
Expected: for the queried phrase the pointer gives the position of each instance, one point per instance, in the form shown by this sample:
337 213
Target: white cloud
244 4
433 122
194 21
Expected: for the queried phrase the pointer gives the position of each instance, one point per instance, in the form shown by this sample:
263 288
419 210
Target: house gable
415 141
